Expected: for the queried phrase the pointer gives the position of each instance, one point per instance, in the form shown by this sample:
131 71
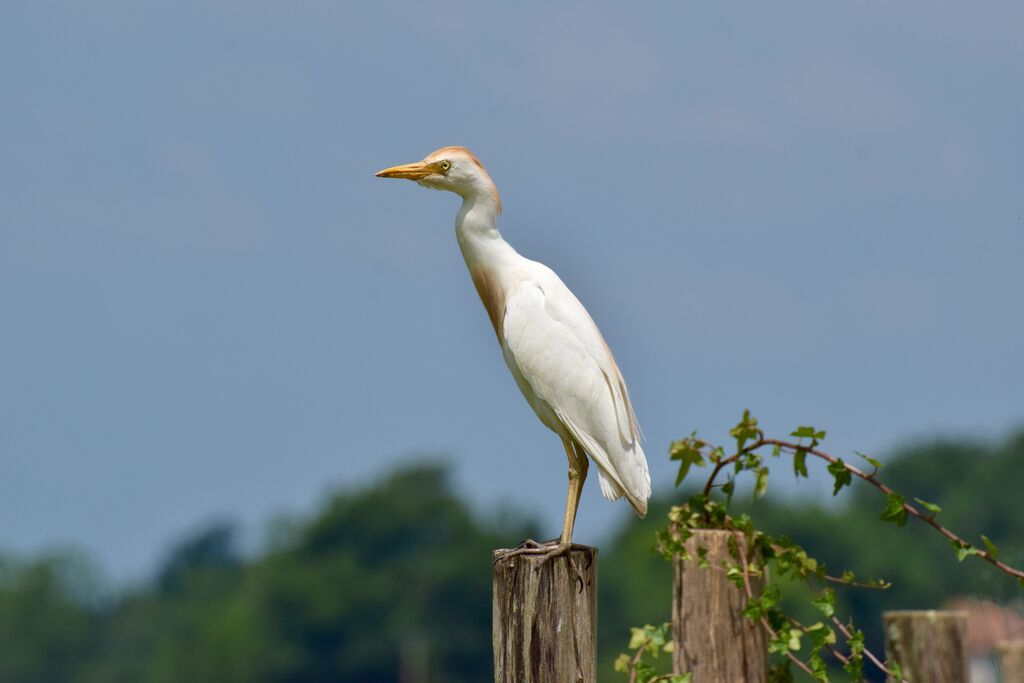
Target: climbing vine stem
775 558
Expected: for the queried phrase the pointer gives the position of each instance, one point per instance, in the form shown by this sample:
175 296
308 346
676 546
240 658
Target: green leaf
808 433
702 558
728 488
637 638
871 461
685 678
688 453
990 547
894 511
800 463
745 431
742 523
826 602
855 667
735 575
658 635
930 507
622 663
963 550
856 642
749 461
821 635
762 482
841 474
818 668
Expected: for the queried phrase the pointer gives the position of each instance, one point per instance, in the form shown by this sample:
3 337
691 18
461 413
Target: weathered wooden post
712 637
930 646
545 618
1011 661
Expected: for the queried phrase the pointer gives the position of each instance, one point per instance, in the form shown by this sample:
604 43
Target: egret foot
526 545
545 550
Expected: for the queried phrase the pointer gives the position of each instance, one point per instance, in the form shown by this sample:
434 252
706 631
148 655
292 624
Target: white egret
551 345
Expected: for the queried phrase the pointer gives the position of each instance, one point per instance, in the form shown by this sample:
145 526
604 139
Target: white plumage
550 343
569 377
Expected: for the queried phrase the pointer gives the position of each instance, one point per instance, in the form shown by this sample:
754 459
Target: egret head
454 169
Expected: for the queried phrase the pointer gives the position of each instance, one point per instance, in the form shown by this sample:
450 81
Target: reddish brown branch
741 541
636 660
856 584
867 653
728 461
835 653
928 519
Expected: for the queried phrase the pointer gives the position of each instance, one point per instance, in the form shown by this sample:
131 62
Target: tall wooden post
930 646
1011 661
713 639
545 618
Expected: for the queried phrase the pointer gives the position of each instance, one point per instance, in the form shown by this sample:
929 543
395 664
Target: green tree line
390 582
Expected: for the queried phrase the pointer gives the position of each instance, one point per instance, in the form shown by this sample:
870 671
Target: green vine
771 559
649 640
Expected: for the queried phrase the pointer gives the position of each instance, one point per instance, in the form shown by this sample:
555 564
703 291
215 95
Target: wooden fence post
545 619
930 646
1011 661
713 639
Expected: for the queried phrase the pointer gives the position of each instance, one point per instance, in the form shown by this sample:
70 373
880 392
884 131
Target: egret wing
553 345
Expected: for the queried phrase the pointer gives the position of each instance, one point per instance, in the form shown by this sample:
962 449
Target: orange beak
414 171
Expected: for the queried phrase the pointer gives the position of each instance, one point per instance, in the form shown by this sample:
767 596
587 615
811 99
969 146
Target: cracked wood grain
545 618
713 639
929 645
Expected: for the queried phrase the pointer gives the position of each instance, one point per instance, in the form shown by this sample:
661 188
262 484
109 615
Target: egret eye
445 165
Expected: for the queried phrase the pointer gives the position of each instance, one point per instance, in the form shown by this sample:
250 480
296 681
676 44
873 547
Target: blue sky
211 308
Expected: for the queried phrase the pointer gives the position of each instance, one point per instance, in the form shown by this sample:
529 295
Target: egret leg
578 467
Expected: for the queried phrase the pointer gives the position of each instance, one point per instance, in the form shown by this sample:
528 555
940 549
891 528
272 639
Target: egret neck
485 251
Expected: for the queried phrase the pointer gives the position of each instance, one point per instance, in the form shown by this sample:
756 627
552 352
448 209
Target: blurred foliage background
390 582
